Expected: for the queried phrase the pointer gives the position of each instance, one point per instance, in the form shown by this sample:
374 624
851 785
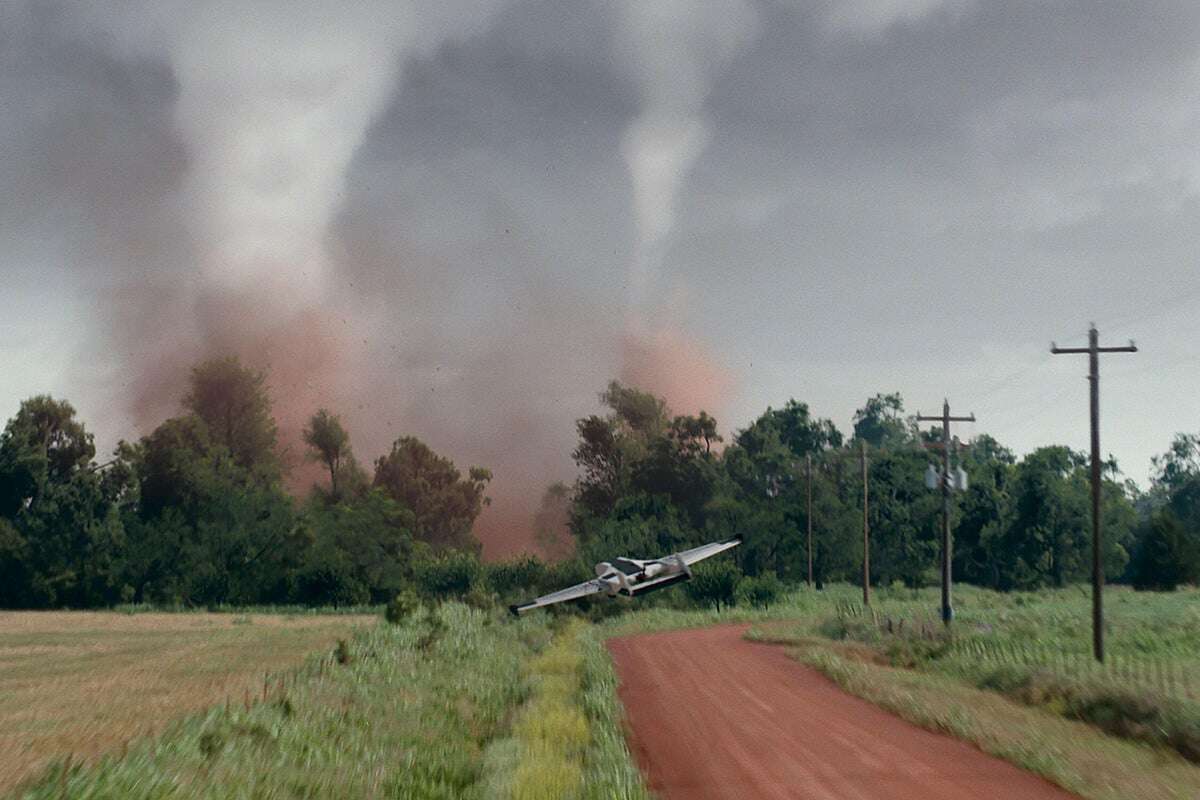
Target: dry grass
80 684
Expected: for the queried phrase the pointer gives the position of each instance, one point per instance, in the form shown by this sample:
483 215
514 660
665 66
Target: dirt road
715 716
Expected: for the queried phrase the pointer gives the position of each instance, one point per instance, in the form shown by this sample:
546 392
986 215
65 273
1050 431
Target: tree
601 460
362 552
207 529
983 511
764 491
233 403
636 412
793 427
60 529
610 446
680 466
880 422
1046 538
904 518
1177 466
444 504
1166 555
42 444
330 444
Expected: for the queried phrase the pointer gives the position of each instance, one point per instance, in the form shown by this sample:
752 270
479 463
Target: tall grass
410 714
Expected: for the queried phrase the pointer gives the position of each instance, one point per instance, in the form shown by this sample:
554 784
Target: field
452 703
79 684
459 702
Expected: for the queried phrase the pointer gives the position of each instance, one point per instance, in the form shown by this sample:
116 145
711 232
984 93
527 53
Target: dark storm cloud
981 159
459 220
89 150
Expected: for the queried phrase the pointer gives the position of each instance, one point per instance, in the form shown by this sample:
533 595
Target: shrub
520 576
760 591
449 577
1166 556
402 606
714 584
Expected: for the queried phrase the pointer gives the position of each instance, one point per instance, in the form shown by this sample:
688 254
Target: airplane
632 577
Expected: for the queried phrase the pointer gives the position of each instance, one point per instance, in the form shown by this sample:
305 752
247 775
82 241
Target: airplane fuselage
624 575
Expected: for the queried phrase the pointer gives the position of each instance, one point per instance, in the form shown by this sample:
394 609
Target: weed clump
211 743
759 592
402 606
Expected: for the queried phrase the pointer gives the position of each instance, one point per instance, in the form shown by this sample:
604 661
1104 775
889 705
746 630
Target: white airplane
632 577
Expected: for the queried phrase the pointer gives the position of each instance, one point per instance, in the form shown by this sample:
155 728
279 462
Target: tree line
653 482
198 511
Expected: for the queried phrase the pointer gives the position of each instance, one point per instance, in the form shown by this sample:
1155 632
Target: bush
714 583
524 575
760 591
402 606
449 577
1166 556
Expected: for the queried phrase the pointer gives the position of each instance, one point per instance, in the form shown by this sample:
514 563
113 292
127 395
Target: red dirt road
715 716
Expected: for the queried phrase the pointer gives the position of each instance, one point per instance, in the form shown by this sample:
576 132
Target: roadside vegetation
1028 650
448 702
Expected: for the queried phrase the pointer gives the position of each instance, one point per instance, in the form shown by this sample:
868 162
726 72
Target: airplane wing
562 595
705 550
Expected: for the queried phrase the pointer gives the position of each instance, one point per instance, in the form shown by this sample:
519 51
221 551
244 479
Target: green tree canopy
233 403
444 504
329 443
881 423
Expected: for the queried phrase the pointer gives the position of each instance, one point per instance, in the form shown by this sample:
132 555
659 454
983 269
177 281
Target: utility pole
947 544
808 512
862 457
1093 351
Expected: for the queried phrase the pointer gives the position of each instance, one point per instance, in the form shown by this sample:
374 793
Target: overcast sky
460 219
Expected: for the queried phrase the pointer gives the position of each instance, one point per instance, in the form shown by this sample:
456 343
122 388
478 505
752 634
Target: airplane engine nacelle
603 568
654 570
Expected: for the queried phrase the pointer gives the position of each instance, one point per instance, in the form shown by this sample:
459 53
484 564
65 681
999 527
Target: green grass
410 715
452 703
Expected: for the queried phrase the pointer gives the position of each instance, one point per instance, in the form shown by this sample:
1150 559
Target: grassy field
452 703
79 684
457 702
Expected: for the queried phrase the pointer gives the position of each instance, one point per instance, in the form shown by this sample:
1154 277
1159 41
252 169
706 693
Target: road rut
712 715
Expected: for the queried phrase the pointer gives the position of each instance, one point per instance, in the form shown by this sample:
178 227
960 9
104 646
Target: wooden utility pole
808 512
1093 351
862 457
947 542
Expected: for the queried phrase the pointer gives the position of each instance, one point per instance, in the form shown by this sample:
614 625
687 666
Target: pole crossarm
1058 351
1093 351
